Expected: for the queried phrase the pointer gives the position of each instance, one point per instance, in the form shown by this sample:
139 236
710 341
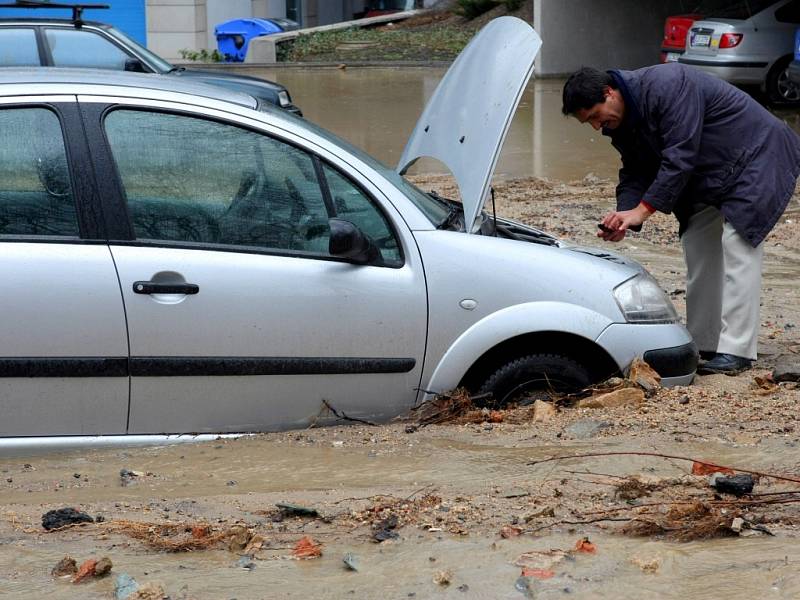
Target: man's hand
615 224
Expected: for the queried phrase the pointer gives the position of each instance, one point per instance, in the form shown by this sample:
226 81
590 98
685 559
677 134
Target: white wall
218 11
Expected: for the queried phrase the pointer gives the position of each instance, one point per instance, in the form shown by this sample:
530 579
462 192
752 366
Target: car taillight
730 40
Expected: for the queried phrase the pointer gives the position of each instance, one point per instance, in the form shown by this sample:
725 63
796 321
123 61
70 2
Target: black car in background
74 42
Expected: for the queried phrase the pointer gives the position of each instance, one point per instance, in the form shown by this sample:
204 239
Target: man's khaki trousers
723 285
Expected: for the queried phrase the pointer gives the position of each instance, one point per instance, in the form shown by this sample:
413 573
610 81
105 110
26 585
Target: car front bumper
745 72
668 348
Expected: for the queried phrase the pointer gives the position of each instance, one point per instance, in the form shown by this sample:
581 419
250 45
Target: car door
239 318
63 343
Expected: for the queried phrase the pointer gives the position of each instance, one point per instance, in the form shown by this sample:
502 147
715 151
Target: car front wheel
535 376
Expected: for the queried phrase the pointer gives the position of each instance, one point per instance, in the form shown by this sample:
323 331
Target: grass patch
431 44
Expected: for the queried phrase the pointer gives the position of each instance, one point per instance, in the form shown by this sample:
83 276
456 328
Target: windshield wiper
451 218
453 210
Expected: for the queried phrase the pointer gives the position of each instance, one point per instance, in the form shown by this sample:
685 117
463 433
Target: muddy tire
780 90
535 376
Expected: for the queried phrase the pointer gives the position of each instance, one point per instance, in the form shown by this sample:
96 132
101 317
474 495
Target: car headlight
283 98
642 300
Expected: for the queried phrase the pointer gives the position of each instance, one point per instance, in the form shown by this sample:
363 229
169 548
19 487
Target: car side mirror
134 65
348 241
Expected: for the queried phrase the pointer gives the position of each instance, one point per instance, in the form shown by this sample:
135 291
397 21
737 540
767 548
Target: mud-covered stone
55 519
738 485
66 566
623 397
787 369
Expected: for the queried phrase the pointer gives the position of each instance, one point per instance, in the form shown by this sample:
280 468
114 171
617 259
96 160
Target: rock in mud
124 586
738 485
443 578
127 476
543 411
55 519
586 428
295 510
66 566
384 530
350 561
149 591
524 585
103 567
643 375
623 397
787 369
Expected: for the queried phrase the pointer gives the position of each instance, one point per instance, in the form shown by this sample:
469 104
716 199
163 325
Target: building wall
173 25
600 33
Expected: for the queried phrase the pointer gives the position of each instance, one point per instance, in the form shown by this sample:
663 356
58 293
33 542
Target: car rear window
18 48
743 9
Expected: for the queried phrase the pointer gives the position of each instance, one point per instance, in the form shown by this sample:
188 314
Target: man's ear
608 91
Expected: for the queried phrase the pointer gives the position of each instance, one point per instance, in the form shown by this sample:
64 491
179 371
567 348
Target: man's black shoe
707 354
727 364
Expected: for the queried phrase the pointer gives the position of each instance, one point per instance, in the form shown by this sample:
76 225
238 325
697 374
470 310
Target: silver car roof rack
77 9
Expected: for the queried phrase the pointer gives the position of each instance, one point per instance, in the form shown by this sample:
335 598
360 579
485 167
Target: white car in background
748 43
176 261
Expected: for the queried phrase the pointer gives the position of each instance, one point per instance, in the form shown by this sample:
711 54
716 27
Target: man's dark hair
585 88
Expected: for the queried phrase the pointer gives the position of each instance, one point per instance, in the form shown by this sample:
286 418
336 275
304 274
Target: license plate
701 39
672 56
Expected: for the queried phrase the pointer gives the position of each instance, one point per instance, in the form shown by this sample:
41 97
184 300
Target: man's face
607 114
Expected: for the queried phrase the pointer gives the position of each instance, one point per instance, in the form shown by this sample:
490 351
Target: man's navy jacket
688 138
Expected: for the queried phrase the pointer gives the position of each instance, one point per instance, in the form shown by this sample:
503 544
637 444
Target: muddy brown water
191 481
376 109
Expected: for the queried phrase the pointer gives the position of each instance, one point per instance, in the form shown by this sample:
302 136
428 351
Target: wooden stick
670 456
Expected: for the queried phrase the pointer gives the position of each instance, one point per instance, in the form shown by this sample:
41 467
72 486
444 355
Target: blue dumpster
233 37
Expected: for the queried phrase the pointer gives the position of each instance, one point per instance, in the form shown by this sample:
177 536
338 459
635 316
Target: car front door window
79 48
199 181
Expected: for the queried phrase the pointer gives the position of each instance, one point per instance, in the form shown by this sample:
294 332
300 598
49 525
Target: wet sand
453 489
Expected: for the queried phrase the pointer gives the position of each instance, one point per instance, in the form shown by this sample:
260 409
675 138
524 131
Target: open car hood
466 120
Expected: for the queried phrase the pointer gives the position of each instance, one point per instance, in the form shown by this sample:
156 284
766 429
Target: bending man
699 148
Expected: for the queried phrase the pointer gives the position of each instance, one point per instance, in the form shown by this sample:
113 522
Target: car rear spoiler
77 9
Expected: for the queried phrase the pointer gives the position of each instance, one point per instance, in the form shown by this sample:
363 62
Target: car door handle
151 287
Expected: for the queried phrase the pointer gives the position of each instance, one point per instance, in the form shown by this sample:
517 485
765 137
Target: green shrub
474 8
201 55
512 5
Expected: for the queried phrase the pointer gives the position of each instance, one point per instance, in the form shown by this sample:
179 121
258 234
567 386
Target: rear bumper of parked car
668 348
671 53
794 72
733 71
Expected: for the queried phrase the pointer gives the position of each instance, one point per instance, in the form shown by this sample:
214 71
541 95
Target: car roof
11 77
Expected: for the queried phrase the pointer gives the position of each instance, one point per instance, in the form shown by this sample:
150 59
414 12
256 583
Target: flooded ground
457 504
376 109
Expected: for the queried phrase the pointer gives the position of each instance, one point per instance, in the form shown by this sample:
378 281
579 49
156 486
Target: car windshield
435 210
743 9
152 60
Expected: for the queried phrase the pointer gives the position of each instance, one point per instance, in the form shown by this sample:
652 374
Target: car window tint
351 204
75 48
737 9
18 48
194 180
789 13
35 191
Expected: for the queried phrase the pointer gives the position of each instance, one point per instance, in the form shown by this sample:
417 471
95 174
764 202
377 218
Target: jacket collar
628 88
